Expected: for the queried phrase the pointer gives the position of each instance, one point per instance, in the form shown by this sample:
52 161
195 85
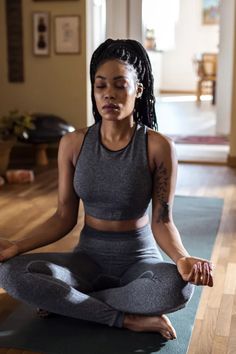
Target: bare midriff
115 225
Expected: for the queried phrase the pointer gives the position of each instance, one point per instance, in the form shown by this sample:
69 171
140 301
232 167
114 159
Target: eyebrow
115 78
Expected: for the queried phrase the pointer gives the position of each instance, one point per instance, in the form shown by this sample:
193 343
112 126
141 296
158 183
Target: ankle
127 320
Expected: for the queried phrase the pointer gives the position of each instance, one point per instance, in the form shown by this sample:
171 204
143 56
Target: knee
12 271
42 267
177 289
8 271
181 290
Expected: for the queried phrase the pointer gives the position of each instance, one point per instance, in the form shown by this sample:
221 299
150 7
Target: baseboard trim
231 161
201 162
178 92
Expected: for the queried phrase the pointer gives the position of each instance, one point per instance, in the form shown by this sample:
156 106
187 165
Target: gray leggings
107 275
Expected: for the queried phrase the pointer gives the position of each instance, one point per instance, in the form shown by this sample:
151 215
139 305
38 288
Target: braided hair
133 53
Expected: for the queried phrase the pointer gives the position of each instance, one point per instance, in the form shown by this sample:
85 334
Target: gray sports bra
114 185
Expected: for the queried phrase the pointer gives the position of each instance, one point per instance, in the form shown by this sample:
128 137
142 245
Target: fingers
8 253
191 277
8 249
201 274
3 257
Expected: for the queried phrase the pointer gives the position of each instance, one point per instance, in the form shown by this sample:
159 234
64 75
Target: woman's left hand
197 271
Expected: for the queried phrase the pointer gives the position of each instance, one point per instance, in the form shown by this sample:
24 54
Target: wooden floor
181 115
24 207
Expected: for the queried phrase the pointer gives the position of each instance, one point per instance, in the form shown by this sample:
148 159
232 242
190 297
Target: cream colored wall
232 152
117 19
192 37
124 19
54 84
225 67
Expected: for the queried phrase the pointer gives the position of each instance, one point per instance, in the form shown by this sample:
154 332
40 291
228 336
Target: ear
139 90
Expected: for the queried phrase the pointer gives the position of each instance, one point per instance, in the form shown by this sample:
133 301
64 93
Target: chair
206 68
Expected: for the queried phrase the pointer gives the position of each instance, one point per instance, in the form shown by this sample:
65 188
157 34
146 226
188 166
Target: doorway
176 34
95 34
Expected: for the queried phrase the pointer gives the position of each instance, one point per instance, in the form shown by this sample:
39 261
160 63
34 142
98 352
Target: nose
109 93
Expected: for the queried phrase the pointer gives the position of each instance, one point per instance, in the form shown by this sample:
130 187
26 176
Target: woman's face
115 90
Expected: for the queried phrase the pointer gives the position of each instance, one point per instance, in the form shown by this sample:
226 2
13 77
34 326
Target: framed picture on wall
67 34
210 13
41 33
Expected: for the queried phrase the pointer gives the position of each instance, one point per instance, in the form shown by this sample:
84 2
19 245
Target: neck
118 130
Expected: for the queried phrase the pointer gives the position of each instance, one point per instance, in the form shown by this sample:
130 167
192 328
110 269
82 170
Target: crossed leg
149 289
68 283
58 283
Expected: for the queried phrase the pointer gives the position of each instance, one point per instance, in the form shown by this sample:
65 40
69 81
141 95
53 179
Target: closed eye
121 86
116 86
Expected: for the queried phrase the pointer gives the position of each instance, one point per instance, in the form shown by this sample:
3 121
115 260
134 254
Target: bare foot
43 313
141 323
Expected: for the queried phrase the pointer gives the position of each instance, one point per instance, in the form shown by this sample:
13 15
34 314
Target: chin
111 117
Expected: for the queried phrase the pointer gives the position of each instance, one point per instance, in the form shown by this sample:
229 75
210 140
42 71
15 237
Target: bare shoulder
160 147
71 143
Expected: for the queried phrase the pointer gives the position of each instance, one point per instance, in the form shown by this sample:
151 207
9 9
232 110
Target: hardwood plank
224 317
232 334
195 336
206 334
230 279
220 344
215 293
215 182
203 304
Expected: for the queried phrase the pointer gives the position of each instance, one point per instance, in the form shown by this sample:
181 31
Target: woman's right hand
8 249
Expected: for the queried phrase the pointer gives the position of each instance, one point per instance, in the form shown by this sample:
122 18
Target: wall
54 84
117 21
124 19
232 152
225 67
191 37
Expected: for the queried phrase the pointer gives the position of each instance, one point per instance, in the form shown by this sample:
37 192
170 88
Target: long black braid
133 53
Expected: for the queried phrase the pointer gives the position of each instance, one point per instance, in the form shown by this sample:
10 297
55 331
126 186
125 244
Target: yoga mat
197 219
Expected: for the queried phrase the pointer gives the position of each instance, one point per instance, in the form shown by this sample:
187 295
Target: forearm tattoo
161 183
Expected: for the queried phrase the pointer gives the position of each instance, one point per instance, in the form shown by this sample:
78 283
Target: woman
115 275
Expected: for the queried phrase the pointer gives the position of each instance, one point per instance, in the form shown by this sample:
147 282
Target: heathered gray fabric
114 185
107 275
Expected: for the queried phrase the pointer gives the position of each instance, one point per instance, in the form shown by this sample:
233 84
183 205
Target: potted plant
12 126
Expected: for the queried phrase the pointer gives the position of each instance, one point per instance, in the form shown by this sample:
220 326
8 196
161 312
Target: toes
166 334
172 332
169 328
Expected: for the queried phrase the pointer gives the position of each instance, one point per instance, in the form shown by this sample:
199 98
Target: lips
110 106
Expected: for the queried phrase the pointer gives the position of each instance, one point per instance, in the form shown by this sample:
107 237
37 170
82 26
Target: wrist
181 257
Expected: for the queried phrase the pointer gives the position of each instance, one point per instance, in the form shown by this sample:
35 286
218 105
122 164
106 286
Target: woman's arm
65 217
195 270
164 183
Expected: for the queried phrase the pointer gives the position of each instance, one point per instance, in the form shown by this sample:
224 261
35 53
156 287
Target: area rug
198 220
200 139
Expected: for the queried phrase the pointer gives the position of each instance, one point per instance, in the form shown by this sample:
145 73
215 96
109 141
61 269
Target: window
159 20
